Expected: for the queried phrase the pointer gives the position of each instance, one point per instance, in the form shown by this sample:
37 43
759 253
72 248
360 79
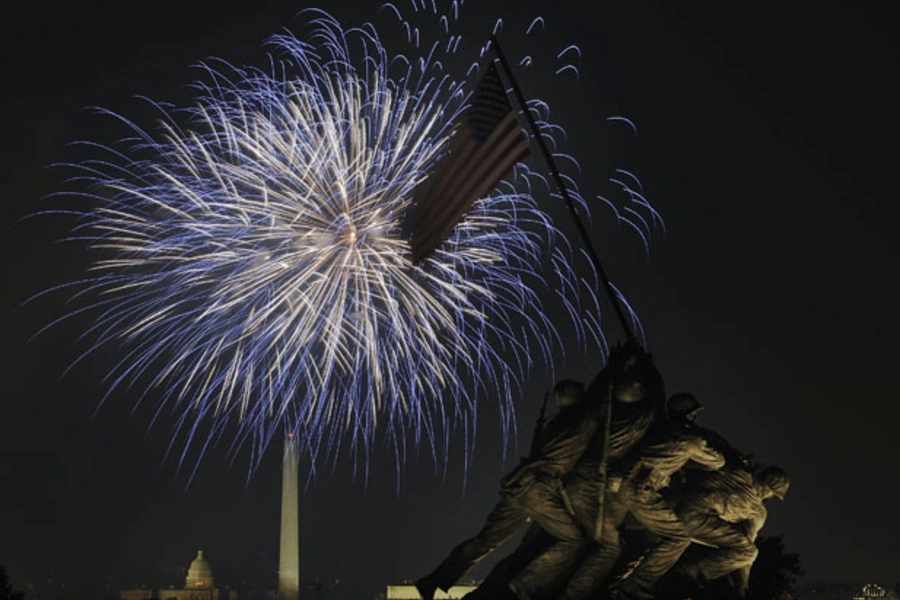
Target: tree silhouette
775 571
6 590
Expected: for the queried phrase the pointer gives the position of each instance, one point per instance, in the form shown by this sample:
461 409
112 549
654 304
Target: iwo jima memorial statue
626 497
619 462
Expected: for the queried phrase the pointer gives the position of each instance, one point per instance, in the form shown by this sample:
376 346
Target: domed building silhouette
199 573
199 585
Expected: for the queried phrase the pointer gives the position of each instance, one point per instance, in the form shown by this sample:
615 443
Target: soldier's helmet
683 404
776 479
568 393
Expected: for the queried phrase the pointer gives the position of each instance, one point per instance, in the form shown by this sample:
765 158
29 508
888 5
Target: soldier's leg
549 507
594 569
727 560
583 490
743 577
533 544
655 515
733 550
502 522
548 570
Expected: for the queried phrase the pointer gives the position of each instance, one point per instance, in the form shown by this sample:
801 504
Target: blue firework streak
255 270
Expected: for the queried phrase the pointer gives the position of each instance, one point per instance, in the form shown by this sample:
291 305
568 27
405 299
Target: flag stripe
448 205
488 143
470 178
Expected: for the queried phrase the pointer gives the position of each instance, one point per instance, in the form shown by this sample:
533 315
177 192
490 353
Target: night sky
767 140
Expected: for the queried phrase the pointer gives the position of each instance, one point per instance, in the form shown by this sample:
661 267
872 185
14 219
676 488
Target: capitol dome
199 574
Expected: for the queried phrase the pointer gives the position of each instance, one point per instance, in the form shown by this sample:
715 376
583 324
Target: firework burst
254 267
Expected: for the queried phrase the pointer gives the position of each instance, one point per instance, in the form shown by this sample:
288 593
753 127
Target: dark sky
767 139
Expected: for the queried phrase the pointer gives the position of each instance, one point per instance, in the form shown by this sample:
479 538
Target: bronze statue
534 490
724 512
662 481
543 563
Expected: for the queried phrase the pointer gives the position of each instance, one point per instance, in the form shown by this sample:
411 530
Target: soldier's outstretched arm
706 456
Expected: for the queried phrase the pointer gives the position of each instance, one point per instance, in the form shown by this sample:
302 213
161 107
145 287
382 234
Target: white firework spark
255 269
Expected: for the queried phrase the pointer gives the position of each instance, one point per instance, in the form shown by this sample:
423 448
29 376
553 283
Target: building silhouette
199 585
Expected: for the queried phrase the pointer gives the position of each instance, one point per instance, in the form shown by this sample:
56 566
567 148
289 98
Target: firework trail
255 273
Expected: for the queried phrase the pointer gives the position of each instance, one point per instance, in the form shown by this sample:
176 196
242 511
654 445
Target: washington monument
289 555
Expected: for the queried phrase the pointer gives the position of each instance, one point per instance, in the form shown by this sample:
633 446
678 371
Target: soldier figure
724 510
534 490
718 500
675 444
638 399
542 563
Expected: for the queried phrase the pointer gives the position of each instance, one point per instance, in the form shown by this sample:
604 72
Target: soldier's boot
427 586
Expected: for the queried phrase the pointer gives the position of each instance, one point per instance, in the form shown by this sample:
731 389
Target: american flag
487 144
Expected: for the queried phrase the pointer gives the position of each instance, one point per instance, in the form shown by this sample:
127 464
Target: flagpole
548 157
606 401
